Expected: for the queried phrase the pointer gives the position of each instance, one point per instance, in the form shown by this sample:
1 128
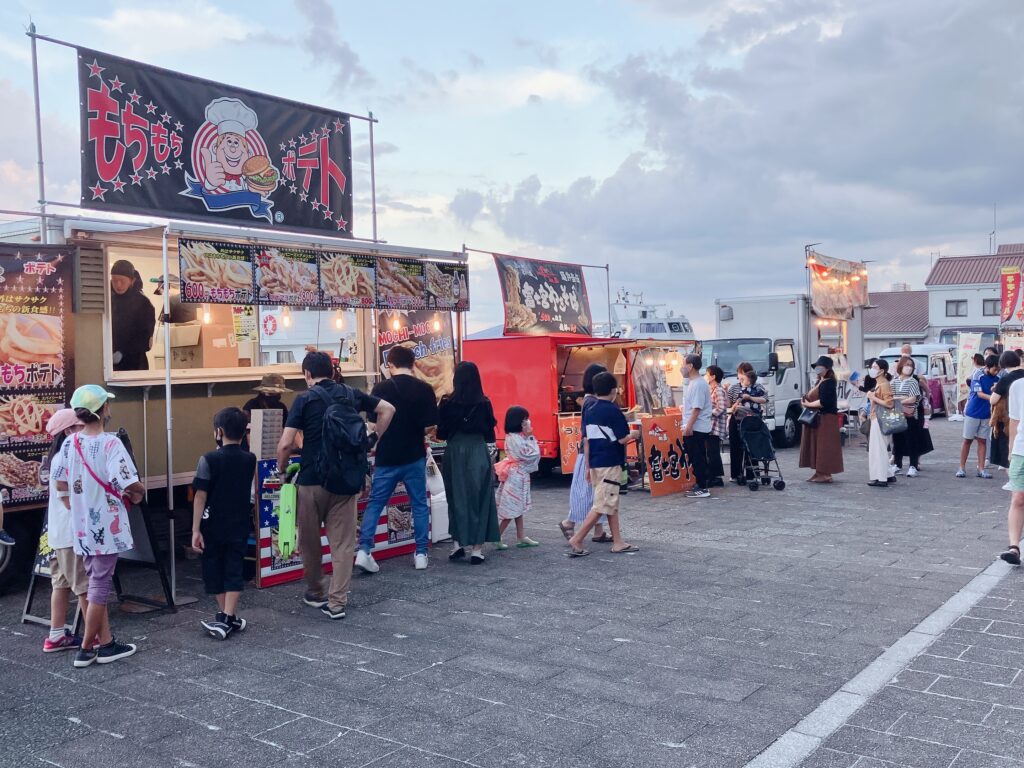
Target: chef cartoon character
230 150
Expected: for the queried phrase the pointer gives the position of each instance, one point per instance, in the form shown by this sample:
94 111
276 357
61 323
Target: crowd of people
93 479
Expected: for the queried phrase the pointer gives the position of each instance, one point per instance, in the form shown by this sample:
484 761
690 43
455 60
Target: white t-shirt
1016 412
698 395
99 519
58 517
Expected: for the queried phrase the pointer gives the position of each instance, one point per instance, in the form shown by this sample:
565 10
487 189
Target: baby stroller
759 456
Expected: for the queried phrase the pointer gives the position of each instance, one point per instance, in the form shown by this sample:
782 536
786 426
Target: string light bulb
396 324
286 317
339 320
648 361
207 318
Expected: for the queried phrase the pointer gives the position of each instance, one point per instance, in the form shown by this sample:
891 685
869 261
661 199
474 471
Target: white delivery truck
781 337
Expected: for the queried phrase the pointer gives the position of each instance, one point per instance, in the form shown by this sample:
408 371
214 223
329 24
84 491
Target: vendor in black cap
132 318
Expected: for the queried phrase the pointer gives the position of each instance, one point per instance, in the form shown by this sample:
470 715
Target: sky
695 146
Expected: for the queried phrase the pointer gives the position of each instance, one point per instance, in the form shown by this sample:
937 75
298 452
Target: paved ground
738 617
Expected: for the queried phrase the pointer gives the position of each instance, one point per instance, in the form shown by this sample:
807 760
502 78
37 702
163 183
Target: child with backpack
522 456
222 518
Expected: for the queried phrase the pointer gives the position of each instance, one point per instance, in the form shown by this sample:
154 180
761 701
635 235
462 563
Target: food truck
544 374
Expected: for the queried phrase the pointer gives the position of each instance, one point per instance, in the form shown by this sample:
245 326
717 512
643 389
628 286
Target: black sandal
1011 555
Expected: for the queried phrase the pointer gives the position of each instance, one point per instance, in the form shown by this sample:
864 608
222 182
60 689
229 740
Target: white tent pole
170 421
44 235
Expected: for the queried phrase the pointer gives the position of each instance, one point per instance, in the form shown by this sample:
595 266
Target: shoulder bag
891 421
809 417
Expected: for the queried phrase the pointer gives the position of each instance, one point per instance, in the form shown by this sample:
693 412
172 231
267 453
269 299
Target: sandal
577 552
566 530
527 542
604 538
629 548
1011 555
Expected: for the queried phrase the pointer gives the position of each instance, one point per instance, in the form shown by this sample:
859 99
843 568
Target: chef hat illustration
231 116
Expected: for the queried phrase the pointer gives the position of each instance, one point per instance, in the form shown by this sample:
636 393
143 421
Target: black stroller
760 467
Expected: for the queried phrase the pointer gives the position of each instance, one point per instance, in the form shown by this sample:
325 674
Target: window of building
956 308
990 307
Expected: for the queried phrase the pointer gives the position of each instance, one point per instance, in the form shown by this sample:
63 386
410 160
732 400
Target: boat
633 318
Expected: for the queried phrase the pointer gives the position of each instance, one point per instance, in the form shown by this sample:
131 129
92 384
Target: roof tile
974 270
897 312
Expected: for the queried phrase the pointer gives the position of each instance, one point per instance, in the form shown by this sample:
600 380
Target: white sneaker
420 562
366 563
1007 487
894 470
912 472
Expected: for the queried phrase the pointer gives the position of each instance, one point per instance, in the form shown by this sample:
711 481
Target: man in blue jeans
401 456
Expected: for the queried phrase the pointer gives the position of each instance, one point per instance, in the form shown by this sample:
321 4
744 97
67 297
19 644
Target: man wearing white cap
230 149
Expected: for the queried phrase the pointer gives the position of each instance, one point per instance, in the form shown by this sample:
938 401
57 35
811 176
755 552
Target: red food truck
544 374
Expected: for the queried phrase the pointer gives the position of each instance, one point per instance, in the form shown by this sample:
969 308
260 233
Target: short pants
1016 473
223 564
67 571
100 569
606 483
976 428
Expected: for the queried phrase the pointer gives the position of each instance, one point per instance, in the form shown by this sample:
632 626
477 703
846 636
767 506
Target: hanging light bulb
339 320
824 273
661 362
811 260
437 323
648 361
207 319
396 324
286 317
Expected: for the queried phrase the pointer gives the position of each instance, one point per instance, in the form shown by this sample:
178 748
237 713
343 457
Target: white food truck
781 337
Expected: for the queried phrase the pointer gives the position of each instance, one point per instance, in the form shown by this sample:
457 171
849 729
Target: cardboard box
182 335
202 346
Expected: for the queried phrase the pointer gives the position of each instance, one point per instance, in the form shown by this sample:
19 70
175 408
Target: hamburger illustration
260 175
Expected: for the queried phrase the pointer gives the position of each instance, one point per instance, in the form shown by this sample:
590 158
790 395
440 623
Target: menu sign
36 368
543 297
429 335
348 279
667 469
401 284
447 286
287 277
215 273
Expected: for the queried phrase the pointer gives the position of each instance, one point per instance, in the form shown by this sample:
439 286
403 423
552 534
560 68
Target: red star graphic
151 173
98 191
178 164
95 68
302 138
327 214
178 125
150 108
303 196
316 205
165 168
134 97
116 84
136 178
339 126
325 131
118 185
342 224
313 135
291 143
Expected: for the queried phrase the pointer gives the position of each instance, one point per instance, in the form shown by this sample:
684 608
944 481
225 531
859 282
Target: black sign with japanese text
543 297
36 366
155 141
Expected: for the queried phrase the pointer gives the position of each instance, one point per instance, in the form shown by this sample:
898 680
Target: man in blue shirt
976 416
605 436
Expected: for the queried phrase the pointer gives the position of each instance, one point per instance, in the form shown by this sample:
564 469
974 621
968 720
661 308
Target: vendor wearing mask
132 318
269 396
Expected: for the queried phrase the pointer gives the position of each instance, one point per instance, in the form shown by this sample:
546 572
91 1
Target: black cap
823 361
123 267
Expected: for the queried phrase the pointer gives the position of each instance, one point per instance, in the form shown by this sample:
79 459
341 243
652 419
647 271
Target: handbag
891 421
809 417
865 427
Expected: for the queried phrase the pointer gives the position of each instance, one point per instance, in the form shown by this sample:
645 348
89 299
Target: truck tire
788 435
16 561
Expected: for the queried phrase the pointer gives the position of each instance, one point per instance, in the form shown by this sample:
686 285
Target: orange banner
569 441
668 471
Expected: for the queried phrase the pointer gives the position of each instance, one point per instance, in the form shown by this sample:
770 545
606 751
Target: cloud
147 31
323 37
361 151
547 55
466 206
878 135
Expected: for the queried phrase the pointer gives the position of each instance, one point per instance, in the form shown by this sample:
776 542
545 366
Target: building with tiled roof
893 318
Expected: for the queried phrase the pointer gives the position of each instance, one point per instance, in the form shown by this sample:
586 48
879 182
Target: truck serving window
729 353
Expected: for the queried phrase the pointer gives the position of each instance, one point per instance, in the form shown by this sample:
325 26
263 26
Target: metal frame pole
373 181
170 420
608 285
44 235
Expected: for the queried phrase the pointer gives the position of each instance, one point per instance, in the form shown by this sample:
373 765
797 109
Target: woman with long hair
906 389
878 444
581 494
467 423
746 398
821 448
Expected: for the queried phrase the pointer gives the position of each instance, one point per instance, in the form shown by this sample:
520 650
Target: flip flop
527 543
566 530
630 548
604 538
578 553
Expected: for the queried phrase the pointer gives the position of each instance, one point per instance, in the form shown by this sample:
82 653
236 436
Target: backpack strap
328 400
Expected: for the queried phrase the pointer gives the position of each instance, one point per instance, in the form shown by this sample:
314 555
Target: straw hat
272 384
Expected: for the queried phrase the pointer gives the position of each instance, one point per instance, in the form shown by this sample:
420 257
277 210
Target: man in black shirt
401 456
316 505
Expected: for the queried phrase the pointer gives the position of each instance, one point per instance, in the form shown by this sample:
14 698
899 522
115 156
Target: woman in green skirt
467 422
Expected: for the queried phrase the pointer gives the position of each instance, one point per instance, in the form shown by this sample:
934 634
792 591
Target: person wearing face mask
878 444
132 318
820 446
907 392
746 399
976 418
719 424
697 424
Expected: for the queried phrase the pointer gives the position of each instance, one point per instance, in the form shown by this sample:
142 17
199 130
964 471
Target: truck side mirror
773 362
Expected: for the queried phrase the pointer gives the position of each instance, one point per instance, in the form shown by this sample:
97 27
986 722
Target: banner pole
373 180
168 416
44 235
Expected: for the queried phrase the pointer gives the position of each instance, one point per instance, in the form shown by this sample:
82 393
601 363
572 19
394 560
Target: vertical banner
968 345
429 335
837 286
569 437
36 365
155 141
543 297
667 470
1009 292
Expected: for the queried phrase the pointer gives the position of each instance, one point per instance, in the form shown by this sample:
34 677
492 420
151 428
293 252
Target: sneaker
333 613
419 561
477 558
894 470
912 472
960 473
366 563
237 623
458 552
217 627
313 601
1007 487
985 474
114 651
68 642
6 539
890 481
527 542
698 493
85 657
500 546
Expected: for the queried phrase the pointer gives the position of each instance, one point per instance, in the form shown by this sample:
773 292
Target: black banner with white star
164 143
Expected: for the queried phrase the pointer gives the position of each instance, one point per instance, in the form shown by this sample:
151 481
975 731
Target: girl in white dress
522 456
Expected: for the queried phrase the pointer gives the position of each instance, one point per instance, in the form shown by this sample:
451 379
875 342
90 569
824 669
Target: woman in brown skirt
820 446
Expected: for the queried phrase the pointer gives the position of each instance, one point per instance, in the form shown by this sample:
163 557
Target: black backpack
342 464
